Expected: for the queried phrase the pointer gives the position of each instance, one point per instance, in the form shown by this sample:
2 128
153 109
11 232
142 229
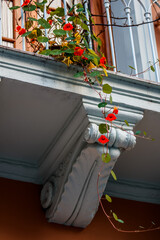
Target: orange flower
111 117
25 3
22 31
68 27
50 21
115 110
48 11
103 139
78 51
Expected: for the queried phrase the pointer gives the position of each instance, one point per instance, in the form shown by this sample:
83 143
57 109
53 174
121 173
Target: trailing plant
68 43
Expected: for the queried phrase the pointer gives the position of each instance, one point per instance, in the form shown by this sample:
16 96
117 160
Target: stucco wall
22 218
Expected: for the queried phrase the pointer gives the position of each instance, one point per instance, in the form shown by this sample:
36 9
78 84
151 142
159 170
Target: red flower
18 28
84 58
111 117
68 27
48 11
26 2
78 51
103 139
22 31
115 110
102 60
50 21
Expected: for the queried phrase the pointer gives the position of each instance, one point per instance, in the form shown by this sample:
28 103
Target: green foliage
113 175
102 104
42 39
138 132
26 34
106 157
126 123
59 12
44 23
103 128
79 74
29 8
107 88
59 32
108 198
15 7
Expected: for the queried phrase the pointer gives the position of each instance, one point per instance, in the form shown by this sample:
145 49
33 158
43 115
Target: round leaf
107 88
42 39
106 157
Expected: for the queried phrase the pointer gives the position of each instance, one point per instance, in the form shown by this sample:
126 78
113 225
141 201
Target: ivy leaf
59 32
120 220
126 123
102 128
15 7
106 157
138 132
110 99
102 104
29 8
44 23
95 74
152 68
26 34
115 216
79 74
113 175
107 88
56 52
108 198
131 67
42 39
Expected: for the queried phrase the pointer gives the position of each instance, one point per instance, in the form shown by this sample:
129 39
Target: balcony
49 135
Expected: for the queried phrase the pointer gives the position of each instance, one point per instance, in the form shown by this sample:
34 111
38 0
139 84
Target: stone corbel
70 195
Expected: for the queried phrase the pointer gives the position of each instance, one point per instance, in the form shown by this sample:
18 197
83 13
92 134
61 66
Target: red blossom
115 110
18 28
25 3
102 60
22 31
48 11
68 27
84 58
111 117
50 21
103 139
78 51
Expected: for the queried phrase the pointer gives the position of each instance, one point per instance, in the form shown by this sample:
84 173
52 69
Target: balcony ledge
49 130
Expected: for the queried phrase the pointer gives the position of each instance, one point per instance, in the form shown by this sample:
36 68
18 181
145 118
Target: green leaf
110 99
113 175
153 139
59 32
95 73
69 50
85 43
70 19
79 74
32 19
102 104
115 216
72 42
131 67
59 12
108 198
70 38
44 23
138 132
15 7
144 133
29 8
56 52
26 34
41 3
46 52
99 42
152 68
120 220
28 24
106 157
107 88
92 52
90 57
102 128
80 10
126 123
42 39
